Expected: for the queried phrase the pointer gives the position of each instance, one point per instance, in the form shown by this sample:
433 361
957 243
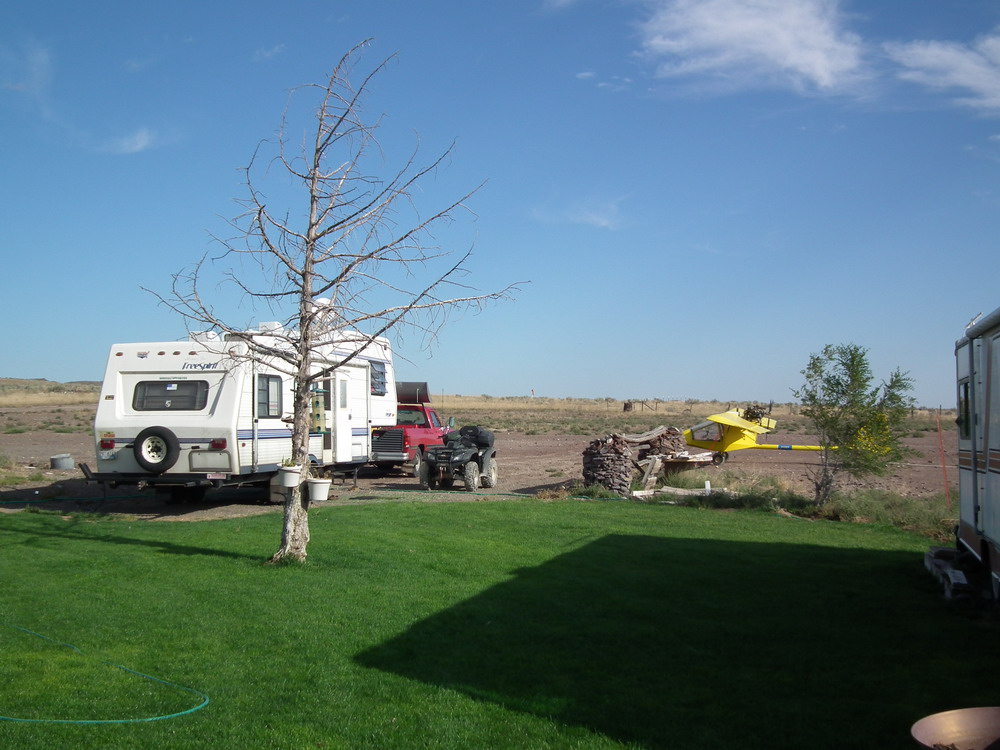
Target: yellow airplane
736 429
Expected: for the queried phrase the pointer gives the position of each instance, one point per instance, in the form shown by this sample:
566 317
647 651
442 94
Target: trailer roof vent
204 336
271 326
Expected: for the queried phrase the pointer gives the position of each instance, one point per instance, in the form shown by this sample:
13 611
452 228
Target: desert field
540 443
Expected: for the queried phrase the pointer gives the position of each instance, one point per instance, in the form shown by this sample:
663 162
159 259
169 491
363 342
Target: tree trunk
295 532
824 477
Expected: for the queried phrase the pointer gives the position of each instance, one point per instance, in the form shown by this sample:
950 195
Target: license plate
215 476
106 455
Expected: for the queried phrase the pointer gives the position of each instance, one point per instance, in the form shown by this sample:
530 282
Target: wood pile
608 462
663 441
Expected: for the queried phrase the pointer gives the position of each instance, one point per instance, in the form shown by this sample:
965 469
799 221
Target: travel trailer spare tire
156 449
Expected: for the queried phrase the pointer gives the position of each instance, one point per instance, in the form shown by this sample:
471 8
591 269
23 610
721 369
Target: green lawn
515 624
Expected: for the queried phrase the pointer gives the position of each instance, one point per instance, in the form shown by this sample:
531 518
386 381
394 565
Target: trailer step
942 562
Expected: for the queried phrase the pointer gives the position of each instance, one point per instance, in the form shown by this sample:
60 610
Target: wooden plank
653 464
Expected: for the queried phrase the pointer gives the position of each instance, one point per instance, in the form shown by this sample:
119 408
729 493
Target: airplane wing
732 419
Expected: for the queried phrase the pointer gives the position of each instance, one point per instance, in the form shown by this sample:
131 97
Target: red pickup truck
417 427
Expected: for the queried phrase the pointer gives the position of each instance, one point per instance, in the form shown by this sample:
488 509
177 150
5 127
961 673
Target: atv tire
490 477
427 480
470 475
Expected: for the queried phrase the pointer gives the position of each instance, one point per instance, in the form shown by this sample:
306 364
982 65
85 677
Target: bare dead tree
347 268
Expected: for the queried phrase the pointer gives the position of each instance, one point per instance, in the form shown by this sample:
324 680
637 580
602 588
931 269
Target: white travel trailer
977 356
207 412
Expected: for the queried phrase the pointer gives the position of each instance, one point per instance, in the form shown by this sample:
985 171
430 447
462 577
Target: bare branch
335 266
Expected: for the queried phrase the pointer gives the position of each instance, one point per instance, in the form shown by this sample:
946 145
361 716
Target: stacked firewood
608 462
663 441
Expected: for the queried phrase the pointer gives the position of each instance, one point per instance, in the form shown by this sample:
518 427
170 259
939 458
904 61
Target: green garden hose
202 704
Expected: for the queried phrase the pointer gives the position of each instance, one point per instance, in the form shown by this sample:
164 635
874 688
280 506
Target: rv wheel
156 449
180 495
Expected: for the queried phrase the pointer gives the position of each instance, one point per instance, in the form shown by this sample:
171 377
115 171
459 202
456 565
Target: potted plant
319 488
288 472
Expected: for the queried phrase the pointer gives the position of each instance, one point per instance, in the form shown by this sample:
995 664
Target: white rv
977 356
206 412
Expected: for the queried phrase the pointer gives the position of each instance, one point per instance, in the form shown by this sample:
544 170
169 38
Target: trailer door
342 417
989 501
361 424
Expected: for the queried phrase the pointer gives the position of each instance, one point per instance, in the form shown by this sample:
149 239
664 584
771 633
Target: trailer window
268 395
964 422
379 383
182 395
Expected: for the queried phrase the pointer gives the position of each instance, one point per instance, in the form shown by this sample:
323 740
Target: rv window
183 395
964 423
268 395
378 379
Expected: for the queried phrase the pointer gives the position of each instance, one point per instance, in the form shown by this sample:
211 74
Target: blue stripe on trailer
263 434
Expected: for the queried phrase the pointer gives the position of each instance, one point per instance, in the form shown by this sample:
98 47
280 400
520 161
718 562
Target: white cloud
802 44
974 69
142 139
27 71
269 52
137 65
594 212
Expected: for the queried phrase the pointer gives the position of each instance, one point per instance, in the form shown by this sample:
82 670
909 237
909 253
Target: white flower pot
319 489
288 476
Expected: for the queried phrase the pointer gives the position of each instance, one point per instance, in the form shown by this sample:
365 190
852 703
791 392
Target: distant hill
41 385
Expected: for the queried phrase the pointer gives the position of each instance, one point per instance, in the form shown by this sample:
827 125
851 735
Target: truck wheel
418 462
156 449
490 477
470 475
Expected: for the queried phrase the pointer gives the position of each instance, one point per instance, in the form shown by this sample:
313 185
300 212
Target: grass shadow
50 526
681 643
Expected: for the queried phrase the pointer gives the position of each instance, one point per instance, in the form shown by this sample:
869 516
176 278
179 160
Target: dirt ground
528 464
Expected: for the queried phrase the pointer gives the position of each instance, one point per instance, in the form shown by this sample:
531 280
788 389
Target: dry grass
581 416
52 398
16 392
574 416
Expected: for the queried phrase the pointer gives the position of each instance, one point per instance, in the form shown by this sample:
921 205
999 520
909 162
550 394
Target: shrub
929 516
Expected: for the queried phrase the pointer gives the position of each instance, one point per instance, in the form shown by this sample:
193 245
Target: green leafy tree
860 425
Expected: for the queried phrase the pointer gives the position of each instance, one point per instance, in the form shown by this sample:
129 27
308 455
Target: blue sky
700 192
